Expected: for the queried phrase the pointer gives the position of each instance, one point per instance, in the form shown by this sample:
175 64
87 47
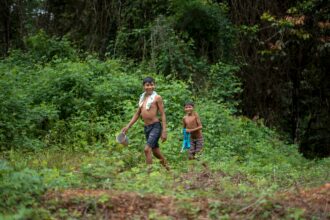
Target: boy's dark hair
189 103
148 80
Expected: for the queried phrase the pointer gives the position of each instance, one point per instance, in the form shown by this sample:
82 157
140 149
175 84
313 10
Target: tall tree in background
18 19
285 79
89 24
4 26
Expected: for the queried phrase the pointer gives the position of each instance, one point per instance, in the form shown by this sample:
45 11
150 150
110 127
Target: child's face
188 109
149 87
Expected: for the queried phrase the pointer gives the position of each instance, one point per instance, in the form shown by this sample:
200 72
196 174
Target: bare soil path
107 204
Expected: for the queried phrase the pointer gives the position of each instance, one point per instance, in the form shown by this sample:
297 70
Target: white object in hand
122 139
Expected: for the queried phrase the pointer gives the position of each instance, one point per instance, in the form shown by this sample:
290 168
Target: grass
226 187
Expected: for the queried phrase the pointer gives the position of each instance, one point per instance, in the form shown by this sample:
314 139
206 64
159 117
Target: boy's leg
147 148
192 150
147 152
160 156
191 156
199 145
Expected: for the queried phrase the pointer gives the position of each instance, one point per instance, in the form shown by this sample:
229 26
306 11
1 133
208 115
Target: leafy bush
224 85
239 139
18 188
207 25
13 111
173 53
43 48
74 103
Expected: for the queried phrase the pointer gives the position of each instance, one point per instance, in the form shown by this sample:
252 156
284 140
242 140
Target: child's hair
148 80
189 103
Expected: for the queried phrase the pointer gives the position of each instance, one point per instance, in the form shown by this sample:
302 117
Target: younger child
193 125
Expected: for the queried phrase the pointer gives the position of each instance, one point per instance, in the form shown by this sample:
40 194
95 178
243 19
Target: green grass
105 168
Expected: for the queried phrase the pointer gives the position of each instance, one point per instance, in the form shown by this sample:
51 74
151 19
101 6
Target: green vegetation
278 51
60 116
70 78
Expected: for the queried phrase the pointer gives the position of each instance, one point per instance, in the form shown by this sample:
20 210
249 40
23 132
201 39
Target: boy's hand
124 130
188 130
163 136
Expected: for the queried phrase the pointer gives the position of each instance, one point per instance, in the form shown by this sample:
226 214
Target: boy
193 125
150 104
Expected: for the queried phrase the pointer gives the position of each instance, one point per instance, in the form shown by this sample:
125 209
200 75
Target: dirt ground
106 204
313 201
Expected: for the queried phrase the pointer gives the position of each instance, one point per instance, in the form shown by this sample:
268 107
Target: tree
285 79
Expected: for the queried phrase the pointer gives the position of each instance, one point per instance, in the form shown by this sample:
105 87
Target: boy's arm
163 116
133 120
184 123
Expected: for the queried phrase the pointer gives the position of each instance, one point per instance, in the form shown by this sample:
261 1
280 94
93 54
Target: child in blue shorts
150 104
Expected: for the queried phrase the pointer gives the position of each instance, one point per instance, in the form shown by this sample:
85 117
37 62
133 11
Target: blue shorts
153 133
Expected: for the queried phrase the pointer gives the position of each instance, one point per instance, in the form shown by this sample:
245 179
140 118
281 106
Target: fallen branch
251 205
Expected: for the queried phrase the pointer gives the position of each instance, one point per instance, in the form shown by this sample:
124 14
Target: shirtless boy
150 104
193 125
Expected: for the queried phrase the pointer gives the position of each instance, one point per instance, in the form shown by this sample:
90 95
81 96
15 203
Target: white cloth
150 99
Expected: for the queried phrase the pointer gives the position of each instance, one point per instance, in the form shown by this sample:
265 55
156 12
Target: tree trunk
5 29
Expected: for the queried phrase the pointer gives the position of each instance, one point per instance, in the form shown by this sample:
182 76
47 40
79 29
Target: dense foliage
281 49
291 87
60 115
70 77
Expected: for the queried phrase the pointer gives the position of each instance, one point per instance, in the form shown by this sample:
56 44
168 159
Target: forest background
71 72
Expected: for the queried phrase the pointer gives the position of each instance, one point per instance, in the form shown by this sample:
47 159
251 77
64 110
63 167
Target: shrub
44 48
18 188
224 85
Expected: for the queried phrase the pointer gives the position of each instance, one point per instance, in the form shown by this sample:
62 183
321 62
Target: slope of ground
107 204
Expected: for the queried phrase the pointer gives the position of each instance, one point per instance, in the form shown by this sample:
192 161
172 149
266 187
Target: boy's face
149 87
188 109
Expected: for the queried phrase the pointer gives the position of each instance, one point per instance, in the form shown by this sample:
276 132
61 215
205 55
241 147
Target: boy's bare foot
149 168
167 167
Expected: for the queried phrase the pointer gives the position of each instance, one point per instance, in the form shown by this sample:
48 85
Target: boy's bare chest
151 111
190 120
